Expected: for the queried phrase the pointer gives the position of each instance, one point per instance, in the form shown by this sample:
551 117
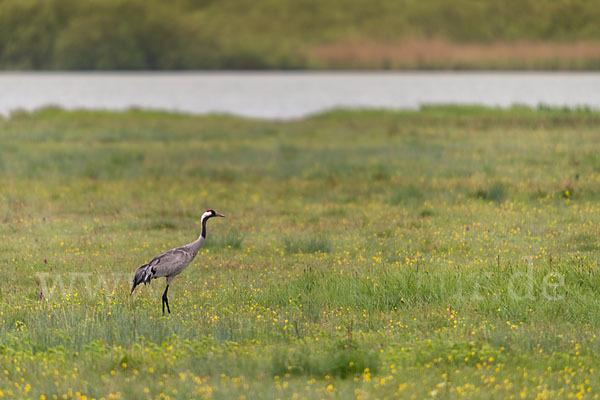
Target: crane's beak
219 215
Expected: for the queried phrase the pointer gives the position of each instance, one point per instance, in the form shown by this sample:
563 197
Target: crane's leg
165 300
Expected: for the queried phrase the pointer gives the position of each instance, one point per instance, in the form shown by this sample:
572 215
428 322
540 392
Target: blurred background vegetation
302 34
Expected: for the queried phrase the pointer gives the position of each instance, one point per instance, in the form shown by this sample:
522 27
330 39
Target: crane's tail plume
143 274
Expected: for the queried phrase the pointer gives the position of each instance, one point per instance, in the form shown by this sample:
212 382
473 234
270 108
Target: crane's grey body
168 264
172 262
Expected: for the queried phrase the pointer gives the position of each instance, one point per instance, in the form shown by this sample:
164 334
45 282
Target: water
283 95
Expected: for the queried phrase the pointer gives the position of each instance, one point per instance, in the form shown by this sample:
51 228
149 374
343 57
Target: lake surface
283 95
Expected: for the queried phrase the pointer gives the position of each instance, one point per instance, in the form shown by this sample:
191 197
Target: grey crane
170 263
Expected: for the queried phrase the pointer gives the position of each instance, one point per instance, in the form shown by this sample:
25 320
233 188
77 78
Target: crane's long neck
196 244
203 234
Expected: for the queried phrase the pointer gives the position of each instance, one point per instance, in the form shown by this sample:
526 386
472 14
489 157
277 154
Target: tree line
244 34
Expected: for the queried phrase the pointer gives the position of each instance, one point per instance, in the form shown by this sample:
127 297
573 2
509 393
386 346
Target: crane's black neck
203 234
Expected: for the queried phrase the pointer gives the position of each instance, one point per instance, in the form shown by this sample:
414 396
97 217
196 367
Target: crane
170 263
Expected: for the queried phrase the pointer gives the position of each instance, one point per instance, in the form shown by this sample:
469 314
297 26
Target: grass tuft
495 192
306 244
341 361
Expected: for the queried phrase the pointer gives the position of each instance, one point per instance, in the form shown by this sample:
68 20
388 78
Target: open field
450 252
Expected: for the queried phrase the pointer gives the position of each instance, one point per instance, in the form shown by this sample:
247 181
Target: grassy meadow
449 252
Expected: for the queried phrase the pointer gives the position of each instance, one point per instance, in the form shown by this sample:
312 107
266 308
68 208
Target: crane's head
211 213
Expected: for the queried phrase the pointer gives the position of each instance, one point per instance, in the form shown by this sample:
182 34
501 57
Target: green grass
447 252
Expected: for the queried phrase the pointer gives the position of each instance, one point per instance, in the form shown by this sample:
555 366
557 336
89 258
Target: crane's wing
171 262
